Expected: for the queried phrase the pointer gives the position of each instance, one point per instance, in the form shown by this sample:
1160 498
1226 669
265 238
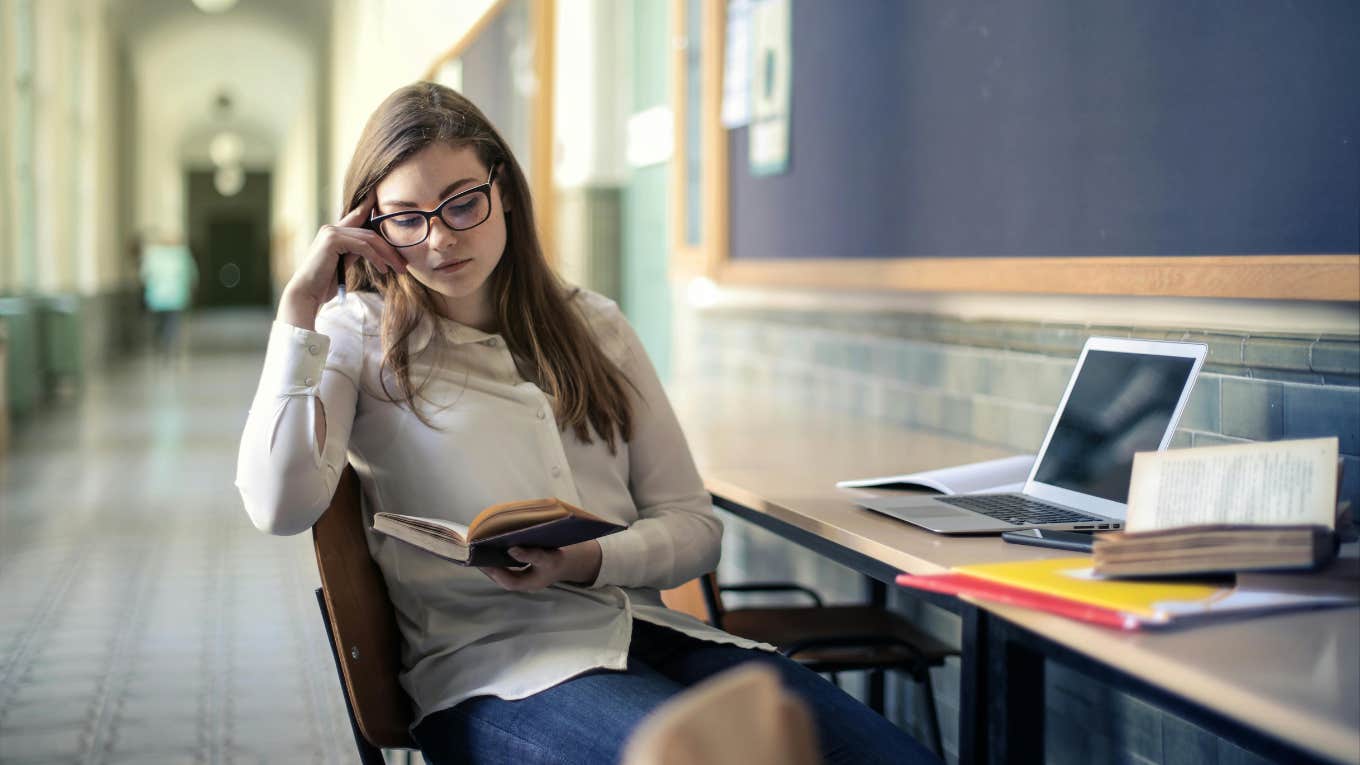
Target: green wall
645 288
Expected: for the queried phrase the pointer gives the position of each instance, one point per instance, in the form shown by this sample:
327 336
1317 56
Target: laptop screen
1121 403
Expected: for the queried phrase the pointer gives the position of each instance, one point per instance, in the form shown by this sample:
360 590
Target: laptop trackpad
918 509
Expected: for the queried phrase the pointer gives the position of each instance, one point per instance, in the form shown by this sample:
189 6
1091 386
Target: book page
958 479
1270 483
435 526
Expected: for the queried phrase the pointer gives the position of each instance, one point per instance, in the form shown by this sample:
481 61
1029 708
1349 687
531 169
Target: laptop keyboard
1018 510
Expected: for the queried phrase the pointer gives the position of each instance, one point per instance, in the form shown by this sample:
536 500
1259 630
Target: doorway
229 237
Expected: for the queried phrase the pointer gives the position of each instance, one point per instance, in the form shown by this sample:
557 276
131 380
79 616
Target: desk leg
877 595
973 691
1017 703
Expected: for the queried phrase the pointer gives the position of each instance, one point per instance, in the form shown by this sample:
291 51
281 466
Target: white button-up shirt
494 439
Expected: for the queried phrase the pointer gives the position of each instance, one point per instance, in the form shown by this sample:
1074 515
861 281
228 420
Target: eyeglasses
466 209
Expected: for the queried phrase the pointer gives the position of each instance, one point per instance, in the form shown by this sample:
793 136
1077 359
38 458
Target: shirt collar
451 331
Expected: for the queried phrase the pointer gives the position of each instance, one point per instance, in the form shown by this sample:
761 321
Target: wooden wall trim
473 32
542 20
1274 277
543 27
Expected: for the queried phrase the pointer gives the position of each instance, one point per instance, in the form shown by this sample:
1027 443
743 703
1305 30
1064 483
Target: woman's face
454 264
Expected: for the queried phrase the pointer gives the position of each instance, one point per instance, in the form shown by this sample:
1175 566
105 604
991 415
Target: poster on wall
770 75
736 104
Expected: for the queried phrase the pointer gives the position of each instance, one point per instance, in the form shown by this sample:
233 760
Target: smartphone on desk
1076 541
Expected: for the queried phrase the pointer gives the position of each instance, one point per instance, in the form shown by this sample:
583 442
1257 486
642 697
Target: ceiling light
226 148
215 6
229 180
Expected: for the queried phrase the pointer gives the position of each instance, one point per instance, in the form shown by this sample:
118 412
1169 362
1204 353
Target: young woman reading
459 372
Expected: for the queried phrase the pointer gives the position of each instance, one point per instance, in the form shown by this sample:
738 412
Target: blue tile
1202 412
1186 744
1336 357
1315 410
1277 352
1252 409
1140 728
1350 480
1225 350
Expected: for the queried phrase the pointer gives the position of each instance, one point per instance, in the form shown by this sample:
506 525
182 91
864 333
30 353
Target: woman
458 372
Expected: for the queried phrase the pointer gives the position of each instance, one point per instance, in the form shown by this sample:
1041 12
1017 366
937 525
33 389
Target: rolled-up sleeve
285 478
677 536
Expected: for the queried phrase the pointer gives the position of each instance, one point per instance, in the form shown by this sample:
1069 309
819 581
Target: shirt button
556 471
313 349
493 342
542 414
308 381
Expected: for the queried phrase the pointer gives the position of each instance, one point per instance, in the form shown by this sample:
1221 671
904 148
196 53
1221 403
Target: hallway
143 619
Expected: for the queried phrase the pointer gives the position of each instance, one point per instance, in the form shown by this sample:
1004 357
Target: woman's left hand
576 564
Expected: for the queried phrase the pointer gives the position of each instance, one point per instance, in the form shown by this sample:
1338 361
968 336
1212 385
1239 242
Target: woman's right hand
314 283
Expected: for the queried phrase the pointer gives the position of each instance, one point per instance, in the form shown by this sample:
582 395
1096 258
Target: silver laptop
1125 396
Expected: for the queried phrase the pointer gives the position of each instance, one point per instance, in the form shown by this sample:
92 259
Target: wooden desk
1286 686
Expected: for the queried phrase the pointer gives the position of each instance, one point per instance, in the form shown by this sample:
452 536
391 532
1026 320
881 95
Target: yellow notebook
1072 579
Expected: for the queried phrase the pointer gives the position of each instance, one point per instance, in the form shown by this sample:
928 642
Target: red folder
962 584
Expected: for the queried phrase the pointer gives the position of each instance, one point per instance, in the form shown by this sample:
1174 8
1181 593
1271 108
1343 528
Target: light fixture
229 180
226 148
215 6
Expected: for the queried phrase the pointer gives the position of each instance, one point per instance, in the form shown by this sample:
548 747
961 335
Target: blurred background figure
169 277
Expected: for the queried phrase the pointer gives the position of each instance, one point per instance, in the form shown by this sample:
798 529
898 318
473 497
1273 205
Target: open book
992 476
548 523
1245 507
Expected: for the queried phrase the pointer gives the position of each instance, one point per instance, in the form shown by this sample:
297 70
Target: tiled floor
142 618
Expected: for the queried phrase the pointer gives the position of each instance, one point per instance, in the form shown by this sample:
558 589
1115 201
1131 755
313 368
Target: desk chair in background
826 639
362 628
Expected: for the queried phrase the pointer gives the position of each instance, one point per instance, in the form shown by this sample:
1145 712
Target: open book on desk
549 523
1003 475
1256 506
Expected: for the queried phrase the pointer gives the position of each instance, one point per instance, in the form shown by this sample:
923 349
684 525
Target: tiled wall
999 383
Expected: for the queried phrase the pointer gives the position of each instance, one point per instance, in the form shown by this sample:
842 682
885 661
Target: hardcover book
548 523
1222 509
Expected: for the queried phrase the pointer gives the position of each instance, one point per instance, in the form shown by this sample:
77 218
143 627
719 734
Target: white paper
736 104
1270 483
1007 474
771 74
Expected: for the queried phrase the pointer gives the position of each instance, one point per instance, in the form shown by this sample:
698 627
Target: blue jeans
588 718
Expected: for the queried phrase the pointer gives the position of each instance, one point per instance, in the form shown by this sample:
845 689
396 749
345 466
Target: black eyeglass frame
438 211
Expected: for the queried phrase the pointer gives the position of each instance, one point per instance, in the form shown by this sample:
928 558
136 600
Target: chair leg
932 716
877 692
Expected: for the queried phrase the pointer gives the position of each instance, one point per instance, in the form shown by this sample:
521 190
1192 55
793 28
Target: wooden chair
825 639
362 628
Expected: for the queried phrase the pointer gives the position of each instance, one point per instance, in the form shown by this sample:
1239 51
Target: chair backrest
739 717
362 621
699 597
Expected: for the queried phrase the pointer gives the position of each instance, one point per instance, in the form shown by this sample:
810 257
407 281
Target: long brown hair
533 308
